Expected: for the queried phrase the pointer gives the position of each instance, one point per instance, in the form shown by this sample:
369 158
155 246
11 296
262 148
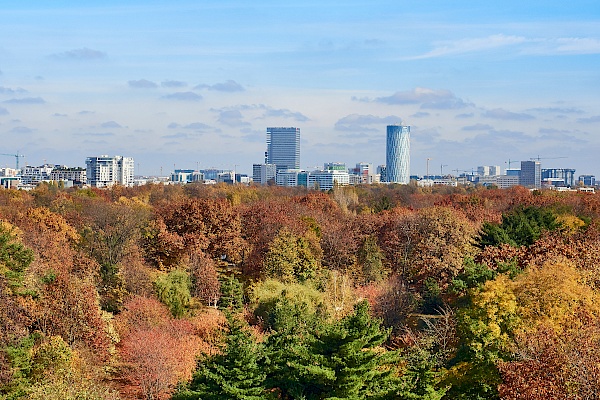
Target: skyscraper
398 154
531 174
283 147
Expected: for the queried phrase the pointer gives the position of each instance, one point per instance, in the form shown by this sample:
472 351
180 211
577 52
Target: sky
194 84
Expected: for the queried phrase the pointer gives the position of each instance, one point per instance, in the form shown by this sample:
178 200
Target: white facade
262 173
495 170
105 171
34 175
288 177
75 175
326 180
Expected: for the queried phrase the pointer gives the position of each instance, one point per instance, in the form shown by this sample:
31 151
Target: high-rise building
283 148
531 174
104 171
398 154
263 173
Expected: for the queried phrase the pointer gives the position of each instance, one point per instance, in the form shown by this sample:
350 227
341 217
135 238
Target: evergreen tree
232 295
236 373
343 360
287 347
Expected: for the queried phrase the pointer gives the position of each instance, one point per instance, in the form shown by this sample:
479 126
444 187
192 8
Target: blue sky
195 83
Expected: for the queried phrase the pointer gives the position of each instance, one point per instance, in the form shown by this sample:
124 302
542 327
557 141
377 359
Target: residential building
34 175
559 176
263 173
105 171
75 175
495 170
398 154
587 180
483 170
283 147
531 174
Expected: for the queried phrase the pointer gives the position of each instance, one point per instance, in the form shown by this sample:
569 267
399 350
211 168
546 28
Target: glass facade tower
398 154
283 147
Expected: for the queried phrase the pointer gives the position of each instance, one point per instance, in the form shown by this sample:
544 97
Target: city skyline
191 84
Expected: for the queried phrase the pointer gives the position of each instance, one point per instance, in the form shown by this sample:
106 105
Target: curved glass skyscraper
397 154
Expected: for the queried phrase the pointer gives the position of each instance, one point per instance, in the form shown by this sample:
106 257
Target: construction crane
538 158
510 162
442 169
16 156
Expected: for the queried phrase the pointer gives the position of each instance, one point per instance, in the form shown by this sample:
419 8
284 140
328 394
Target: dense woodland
236 292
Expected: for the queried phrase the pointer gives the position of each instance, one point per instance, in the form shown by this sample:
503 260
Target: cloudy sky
191 84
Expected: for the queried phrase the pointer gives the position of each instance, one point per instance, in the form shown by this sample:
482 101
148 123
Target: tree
232 295
521 227
157 351
289 258
342 360
370 261
205 279
173 290
15 258
235 373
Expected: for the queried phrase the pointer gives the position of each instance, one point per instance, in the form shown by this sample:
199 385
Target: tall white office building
105 171
283 148
398 154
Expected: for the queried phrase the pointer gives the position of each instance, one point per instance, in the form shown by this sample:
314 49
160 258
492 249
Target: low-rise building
74 175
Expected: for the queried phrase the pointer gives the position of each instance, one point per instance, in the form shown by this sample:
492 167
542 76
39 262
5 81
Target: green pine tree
236 373
342 360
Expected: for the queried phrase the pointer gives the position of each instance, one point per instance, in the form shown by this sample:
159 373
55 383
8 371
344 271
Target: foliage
290 259
344 360
266 296
157 351
370 260
232 295
173 289
234 373
15 258
521 227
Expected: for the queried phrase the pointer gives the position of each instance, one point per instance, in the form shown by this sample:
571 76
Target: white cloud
471 45
80 54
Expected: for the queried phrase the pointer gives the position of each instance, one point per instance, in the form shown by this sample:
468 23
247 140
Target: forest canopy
250 292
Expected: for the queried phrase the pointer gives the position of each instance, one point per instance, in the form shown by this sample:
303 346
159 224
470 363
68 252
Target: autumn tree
157 351
290 259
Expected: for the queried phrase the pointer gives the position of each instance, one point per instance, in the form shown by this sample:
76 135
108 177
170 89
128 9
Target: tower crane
538 158
16 156
510 162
